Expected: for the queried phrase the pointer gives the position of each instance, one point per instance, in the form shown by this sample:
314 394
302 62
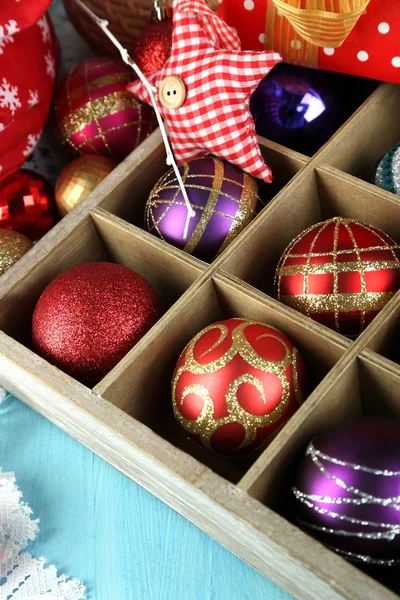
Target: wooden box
127 418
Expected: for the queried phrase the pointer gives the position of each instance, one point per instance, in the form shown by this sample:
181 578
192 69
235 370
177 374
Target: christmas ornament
340 273
79 178
302 108
235 385
28 69
204 89
386 173
13 245
90 316
96 115
347 491
153 48
225 200
26 204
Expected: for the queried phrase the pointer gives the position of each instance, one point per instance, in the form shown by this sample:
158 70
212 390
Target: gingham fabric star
219 80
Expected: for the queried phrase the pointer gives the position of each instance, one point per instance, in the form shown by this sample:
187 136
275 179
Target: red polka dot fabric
371 50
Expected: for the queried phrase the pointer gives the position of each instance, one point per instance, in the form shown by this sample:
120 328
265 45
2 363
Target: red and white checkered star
219 80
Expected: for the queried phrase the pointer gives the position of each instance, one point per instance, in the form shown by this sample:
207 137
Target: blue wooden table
97 525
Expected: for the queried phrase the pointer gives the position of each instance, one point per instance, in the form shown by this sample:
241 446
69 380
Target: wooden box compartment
127 418
320 193
384 340
362 387
130 200
147 371
99 237
371 132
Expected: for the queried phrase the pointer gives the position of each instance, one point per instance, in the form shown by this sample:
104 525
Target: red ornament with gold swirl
235 385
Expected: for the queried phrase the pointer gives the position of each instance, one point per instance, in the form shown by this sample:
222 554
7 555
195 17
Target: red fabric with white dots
371 50
219 80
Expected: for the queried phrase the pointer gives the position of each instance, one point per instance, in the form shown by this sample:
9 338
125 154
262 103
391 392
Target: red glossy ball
340 272
235 385
153 48
90 316
26 204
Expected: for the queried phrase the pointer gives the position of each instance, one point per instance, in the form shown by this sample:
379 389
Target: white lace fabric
23 577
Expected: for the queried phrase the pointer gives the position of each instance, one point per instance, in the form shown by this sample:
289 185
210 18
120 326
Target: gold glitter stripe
363 297
246 210
309 255
338 252
307 303
209 207
336 272
96 109
99 83
154 200
345 267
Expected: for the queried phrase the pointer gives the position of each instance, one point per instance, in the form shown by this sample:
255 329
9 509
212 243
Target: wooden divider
127 419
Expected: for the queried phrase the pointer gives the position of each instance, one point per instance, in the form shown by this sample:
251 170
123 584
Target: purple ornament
224 198
302 108
348 491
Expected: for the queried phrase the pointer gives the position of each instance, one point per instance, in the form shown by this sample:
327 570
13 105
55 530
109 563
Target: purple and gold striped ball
224 198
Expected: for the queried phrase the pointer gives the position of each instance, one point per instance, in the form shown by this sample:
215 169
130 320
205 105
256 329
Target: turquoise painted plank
97 525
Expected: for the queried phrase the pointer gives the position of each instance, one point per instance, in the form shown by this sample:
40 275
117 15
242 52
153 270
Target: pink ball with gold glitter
96 115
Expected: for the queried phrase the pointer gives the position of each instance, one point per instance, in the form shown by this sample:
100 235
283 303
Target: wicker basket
127 18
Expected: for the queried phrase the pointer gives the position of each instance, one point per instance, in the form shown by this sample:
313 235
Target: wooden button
172 92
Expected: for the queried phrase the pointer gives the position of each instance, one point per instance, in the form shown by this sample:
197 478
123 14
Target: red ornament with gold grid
96 115
340 272
235 384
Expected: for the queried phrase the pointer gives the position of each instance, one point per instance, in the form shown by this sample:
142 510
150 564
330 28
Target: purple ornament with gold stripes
224 198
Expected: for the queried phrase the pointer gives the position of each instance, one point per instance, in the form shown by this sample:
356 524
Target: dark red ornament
27 204
90 316
235 384
153 48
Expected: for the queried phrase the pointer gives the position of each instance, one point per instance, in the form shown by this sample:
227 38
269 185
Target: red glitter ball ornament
235 385
340 272
153 48
26 204
90 316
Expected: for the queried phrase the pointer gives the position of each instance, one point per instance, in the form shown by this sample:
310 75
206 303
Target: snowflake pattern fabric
6 34
23 576
9 96
28 68
219 80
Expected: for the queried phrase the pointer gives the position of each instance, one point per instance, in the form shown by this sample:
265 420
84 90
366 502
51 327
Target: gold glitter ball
13 245
79 178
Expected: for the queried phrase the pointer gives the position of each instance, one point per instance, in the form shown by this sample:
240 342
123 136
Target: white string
103 24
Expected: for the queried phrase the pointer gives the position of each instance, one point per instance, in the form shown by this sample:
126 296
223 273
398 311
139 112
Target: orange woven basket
127 19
